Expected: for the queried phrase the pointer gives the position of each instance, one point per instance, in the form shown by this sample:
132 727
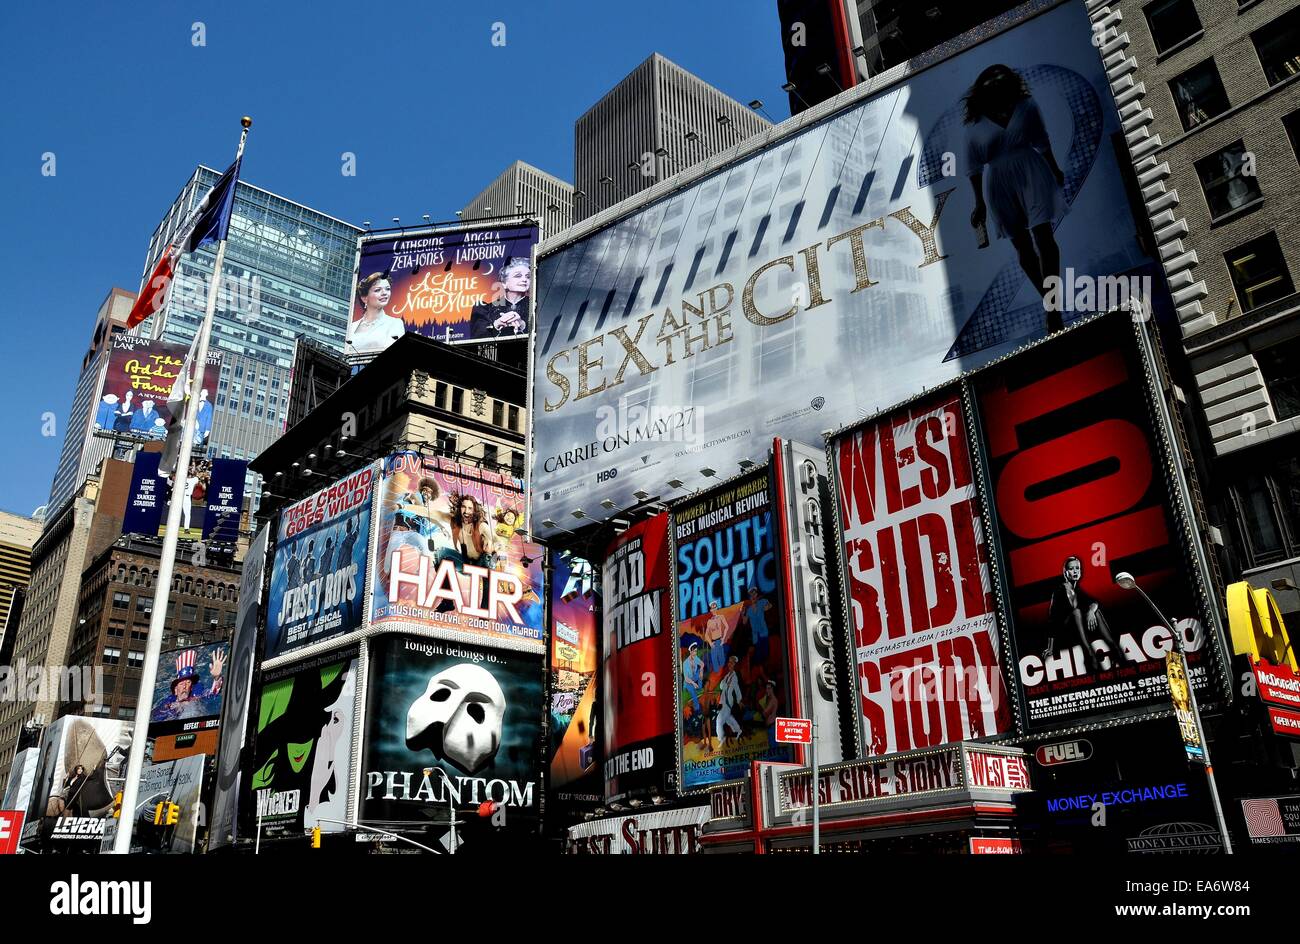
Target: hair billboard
319 578
453 284
834 271
449 556
732 634
1080 494
921 604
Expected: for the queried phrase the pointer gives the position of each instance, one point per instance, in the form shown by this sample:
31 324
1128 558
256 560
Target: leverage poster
732 635
575 635
319 576
1080 495
303 758
449 555
454 285
449 723
636 681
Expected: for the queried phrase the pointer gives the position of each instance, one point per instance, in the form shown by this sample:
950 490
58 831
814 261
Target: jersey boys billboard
732 636
637 662
449 555
1080 494
319 577
451 285
921 607
833 274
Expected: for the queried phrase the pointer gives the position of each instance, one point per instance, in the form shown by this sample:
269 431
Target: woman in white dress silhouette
1015 176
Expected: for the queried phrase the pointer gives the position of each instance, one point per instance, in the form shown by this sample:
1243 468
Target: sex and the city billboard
449 555
470 283
318 580
829 272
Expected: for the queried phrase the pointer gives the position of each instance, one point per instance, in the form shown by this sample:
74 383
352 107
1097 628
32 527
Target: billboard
138 378
223 823
653 832
302 763
79 773
449 556
318 581
211 501
575 639
1080 494
22 777
187 693
732 633
832 274
916 574
454 285
175 782
637 662
449 723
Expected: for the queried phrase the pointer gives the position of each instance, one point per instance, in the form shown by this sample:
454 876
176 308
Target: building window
517 464
498 413
98 710
1259 272
189 612
112 656
1267 498
1292 124
1198 94
1224 179
134 660
446 443
1172 22
121 601
144 605
126 714
211 617
514 417
140 634
457 400
440 395
1278 46
1280 365
489 456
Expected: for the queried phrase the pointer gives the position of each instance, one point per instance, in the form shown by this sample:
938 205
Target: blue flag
214 221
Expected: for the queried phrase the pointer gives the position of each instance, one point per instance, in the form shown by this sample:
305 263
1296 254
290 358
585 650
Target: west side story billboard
456 284
827 277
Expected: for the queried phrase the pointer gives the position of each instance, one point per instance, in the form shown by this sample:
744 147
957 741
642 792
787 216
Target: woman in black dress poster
1074 613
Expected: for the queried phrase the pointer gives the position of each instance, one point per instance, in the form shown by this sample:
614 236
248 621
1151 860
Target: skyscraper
522 188
288 272
658 121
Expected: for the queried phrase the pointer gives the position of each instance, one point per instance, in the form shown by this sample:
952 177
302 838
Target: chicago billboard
449 723
575 638
732 635
847 266
449 556
455 284
915 564
637 662
138 378
303 760
1081 493
318 581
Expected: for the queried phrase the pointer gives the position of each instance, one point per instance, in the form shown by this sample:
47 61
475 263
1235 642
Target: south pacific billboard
637 662
732 633
922 613
1081 494
449 721
453 284
839 270
319 577
449 555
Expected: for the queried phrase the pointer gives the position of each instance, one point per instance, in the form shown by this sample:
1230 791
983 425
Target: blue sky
128 105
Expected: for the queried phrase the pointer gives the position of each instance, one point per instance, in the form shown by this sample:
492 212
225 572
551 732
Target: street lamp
1126 581
451 809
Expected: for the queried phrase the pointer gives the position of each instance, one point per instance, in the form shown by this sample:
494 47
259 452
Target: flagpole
167 562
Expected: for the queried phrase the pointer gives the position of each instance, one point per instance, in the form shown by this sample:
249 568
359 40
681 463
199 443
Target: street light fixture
1126 581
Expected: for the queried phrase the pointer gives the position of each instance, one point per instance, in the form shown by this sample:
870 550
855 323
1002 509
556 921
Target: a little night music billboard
832 273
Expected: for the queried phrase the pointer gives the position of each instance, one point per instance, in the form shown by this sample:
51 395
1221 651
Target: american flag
1263 818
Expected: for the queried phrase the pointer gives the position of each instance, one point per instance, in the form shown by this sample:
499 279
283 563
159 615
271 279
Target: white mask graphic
458 717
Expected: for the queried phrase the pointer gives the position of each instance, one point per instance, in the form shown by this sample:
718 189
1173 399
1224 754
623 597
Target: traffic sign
793 731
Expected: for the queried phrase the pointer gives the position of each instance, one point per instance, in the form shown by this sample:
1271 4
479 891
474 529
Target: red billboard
637 680
916 572
1080 494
